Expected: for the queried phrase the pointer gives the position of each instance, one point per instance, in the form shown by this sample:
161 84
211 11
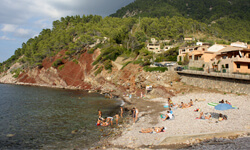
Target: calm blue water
35 117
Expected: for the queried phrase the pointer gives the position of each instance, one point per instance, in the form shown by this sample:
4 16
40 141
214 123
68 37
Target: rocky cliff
78 73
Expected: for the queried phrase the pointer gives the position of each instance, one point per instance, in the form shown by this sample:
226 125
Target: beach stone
10 135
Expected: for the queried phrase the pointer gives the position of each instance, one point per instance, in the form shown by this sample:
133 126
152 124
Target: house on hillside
192 52
154 46
232 59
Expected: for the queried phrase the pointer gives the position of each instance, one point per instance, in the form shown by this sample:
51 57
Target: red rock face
73 73
25 78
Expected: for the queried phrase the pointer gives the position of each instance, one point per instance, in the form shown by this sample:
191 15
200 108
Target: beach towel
212 104
165 106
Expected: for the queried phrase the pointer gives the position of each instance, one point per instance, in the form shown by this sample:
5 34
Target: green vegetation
99 70
195 68
226 19
218 21
61 67
126 64
16 72
57 63
75 61
151 69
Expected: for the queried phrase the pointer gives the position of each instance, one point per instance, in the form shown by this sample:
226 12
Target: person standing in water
99 113
116 118
121 112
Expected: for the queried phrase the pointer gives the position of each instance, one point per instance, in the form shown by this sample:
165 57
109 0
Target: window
248 66
226 65
238 65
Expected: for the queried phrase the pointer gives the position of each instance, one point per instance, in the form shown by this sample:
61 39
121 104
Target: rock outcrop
78 73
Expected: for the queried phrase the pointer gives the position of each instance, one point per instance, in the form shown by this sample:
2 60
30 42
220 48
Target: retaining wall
220 83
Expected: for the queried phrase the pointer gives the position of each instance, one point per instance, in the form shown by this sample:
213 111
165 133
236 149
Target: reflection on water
35 117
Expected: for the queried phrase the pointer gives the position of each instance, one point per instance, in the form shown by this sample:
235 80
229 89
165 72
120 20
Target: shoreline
120 132
209 130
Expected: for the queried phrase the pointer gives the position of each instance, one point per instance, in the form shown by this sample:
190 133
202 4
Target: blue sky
24 19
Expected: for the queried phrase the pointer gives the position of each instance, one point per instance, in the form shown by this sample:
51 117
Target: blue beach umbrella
223 107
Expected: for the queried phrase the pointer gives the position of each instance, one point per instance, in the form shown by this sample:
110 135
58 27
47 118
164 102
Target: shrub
150 69
99 70
195 68
16 72
75 61
108 65
57 63
179 63
126 64
39 65
61 67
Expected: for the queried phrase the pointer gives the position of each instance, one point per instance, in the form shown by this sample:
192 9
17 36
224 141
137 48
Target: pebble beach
185 128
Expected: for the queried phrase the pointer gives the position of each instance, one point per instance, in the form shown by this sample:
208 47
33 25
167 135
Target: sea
48 118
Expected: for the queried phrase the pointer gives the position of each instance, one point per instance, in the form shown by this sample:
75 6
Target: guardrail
216 74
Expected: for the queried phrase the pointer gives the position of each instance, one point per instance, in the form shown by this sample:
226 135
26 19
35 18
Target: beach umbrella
223 106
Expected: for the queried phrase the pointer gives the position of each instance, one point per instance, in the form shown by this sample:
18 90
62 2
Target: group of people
226 102
106 121
182 105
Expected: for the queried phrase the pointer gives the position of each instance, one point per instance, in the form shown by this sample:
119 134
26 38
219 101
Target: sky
21 20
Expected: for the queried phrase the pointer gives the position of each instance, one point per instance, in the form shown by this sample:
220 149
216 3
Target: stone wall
221 84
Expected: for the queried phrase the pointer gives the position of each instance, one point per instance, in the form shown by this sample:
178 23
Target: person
110 120
190 103
104 124
201 116
133 114
121 112
116 118
136 114
222 117
170 103
168 116
222 101
227 102
208 117
182 105
153 130
99 113
171 112
98 122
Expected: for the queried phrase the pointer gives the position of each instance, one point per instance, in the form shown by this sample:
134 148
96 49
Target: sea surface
47 118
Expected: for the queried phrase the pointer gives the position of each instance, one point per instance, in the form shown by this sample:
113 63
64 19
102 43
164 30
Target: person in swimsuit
133 115
136 114
110 120
116 118
121 112
153 130
99 113
190 103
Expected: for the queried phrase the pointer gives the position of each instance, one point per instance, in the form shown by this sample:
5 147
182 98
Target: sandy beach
184 128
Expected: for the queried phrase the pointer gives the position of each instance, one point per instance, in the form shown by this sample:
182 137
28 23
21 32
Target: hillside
230 19
92 44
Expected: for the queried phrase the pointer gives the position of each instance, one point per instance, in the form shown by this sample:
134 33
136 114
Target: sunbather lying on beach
227 102
153 130
203 117
182 105
222 117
